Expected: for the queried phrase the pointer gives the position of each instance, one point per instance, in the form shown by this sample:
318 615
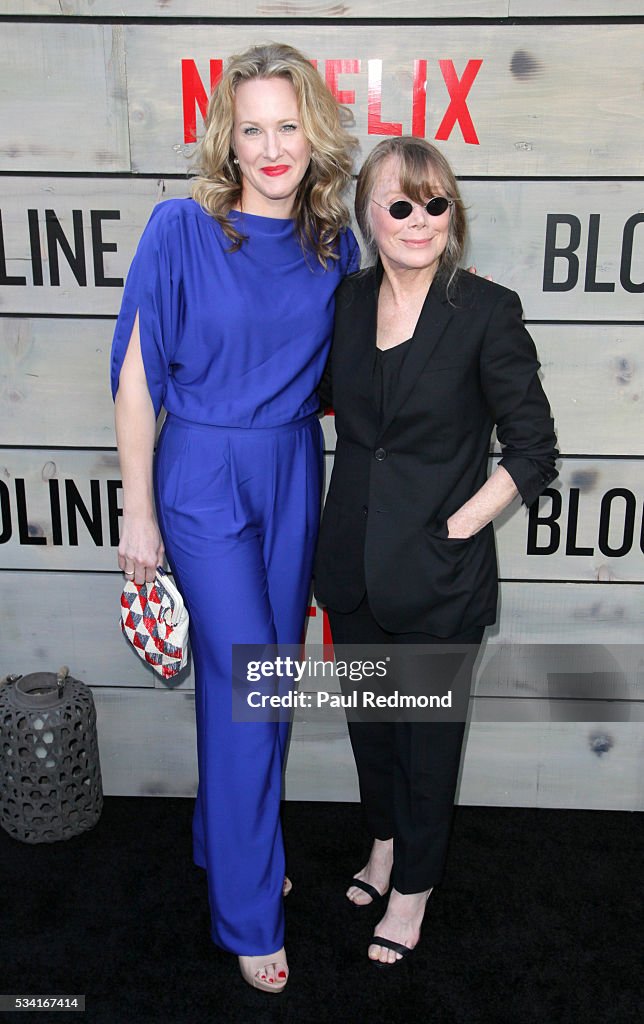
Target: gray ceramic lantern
50 778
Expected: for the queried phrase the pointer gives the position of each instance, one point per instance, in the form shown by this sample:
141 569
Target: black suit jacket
394 484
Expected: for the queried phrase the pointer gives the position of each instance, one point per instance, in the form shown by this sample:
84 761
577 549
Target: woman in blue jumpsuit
226 321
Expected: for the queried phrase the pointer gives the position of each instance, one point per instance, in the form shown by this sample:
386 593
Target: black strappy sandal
370 891
405 951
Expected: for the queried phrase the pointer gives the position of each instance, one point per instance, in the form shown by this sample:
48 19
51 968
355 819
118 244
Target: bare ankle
409 897
382 849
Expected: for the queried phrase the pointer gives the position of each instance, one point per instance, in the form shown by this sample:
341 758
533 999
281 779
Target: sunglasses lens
400 210
436 206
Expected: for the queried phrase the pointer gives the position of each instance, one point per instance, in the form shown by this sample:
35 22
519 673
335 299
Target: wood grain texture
63 91
569 92
564 764
573 8
508 228
147 748
128 203
59 510
560 671
598 534
51 619
285 9
282 9
593 376
56 504
563 613
147 742
54 382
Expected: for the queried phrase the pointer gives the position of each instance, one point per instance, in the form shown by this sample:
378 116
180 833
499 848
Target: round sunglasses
402 208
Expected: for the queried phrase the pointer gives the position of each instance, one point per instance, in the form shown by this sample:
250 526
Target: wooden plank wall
547 143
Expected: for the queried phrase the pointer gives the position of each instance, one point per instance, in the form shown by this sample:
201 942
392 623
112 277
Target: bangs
422 172
419 179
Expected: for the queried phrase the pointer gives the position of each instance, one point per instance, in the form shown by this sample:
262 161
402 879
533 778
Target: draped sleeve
153 289
349 253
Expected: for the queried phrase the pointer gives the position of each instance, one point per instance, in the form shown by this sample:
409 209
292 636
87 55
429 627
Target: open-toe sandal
405 951
253 967
370 891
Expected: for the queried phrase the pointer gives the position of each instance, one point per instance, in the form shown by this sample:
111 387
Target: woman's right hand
141 548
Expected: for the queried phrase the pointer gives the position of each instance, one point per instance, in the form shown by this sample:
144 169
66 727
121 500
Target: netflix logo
370 81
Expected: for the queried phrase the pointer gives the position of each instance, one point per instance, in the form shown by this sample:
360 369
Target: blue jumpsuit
233 346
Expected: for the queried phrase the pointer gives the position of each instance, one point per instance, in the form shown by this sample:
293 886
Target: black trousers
408 770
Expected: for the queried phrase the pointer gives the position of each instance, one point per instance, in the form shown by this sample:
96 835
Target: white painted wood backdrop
397 10
541 102
92 120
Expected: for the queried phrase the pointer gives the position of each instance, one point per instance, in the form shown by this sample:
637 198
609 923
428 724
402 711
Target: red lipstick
273 172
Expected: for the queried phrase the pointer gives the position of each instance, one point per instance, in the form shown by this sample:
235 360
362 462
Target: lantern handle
61 676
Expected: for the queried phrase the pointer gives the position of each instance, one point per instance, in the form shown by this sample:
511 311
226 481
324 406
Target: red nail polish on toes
281 974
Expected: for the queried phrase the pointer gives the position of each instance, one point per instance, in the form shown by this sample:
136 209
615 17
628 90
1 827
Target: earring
235 160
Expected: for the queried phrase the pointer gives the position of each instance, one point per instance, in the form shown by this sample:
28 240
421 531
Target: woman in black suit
426 360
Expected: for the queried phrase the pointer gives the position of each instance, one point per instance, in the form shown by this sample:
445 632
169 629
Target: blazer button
365 510
380 455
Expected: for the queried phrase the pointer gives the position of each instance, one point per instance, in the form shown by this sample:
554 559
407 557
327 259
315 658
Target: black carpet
539 919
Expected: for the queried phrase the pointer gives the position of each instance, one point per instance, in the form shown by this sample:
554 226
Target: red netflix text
195 96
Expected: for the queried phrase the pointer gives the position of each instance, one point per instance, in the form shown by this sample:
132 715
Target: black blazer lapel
432 322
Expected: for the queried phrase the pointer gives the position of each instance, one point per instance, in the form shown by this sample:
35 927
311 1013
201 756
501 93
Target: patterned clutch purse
155 622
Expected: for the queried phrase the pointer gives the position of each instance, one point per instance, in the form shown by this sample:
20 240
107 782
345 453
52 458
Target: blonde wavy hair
319 211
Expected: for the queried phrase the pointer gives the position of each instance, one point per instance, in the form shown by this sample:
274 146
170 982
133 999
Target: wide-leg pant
408 770
239 510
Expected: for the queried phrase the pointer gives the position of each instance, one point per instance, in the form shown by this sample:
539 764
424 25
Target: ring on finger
126 573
